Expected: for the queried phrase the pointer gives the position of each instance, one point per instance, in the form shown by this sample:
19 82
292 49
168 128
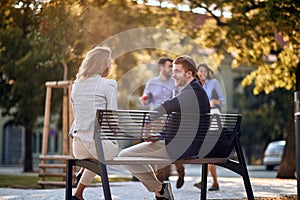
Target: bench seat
157 161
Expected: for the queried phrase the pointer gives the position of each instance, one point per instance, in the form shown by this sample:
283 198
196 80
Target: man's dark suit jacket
192 100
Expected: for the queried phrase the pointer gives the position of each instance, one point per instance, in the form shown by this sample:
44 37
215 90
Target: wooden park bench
218 136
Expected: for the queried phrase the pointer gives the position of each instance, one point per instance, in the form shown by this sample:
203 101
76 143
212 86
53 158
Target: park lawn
19 181
31 181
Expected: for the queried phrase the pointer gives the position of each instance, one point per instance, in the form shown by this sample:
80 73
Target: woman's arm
221 99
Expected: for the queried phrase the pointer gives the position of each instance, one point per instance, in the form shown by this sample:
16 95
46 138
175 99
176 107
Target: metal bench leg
244 169
70 164
248 187
99 169
105 182
203 182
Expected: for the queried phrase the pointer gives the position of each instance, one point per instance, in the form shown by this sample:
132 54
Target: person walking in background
216 100
212 87
192 99
158 90
161 87
91 91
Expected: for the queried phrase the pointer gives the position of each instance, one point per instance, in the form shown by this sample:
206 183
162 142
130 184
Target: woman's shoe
75 198
214 187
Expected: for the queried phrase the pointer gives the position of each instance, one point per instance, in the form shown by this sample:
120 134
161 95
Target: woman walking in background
216 100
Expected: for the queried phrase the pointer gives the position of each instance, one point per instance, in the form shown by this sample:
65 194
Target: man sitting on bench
192 100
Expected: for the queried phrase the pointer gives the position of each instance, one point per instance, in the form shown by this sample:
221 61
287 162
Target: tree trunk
287 166
62 61
28 151
288 162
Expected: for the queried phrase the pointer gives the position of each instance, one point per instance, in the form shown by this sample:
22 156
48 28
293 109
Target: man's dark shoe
160 198
180 182
166 192
198 185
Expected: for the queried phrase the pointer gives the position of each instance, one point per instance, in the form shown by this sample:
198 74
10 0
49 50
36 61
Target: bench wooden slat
52 165
55 157
52 174
53 183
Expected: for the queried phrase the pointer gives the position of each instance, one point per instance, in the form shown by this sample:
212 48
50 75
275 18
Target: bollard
297 138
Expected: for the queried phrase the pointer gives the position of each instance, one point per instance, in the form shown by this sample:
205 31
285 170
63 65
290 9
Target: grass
31 181
19 181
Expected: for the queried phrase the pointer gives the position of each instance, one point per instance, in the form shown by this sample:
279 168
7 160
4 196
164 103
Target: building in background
12 141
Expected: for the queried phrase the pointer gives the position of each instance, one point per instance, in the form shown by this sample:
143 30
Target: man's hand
153 137
144 99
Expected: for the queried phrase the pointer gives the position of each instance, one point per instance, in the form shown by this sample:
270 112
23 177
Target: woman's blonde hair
96 61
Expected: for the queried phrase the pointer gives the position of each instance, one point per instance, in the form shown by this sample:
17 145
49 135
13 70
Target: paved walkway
230 188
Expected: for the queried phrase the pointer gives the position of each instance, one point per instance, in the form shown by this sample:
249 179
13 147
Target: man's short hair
187 63
163 60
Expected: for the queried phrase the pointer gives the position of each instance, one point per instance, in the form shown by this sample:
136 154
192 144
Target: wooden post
65 115
65 123
46 120
66 148
46 127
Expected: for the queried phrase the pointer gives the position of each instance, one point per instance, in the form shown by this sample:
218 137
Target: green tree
272 110
254 31
36 47
22 77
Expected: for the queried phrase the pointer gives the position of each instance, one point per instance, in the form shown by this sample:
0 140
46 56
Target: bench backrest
211 135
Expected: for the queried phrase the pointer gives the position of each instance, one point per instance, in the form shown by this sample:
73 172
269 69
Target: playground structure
55 165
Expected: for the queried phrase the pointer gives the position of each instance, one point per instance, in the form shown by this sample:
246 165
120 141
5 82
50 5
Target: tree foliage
255 30
26 63
273 110
18 59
